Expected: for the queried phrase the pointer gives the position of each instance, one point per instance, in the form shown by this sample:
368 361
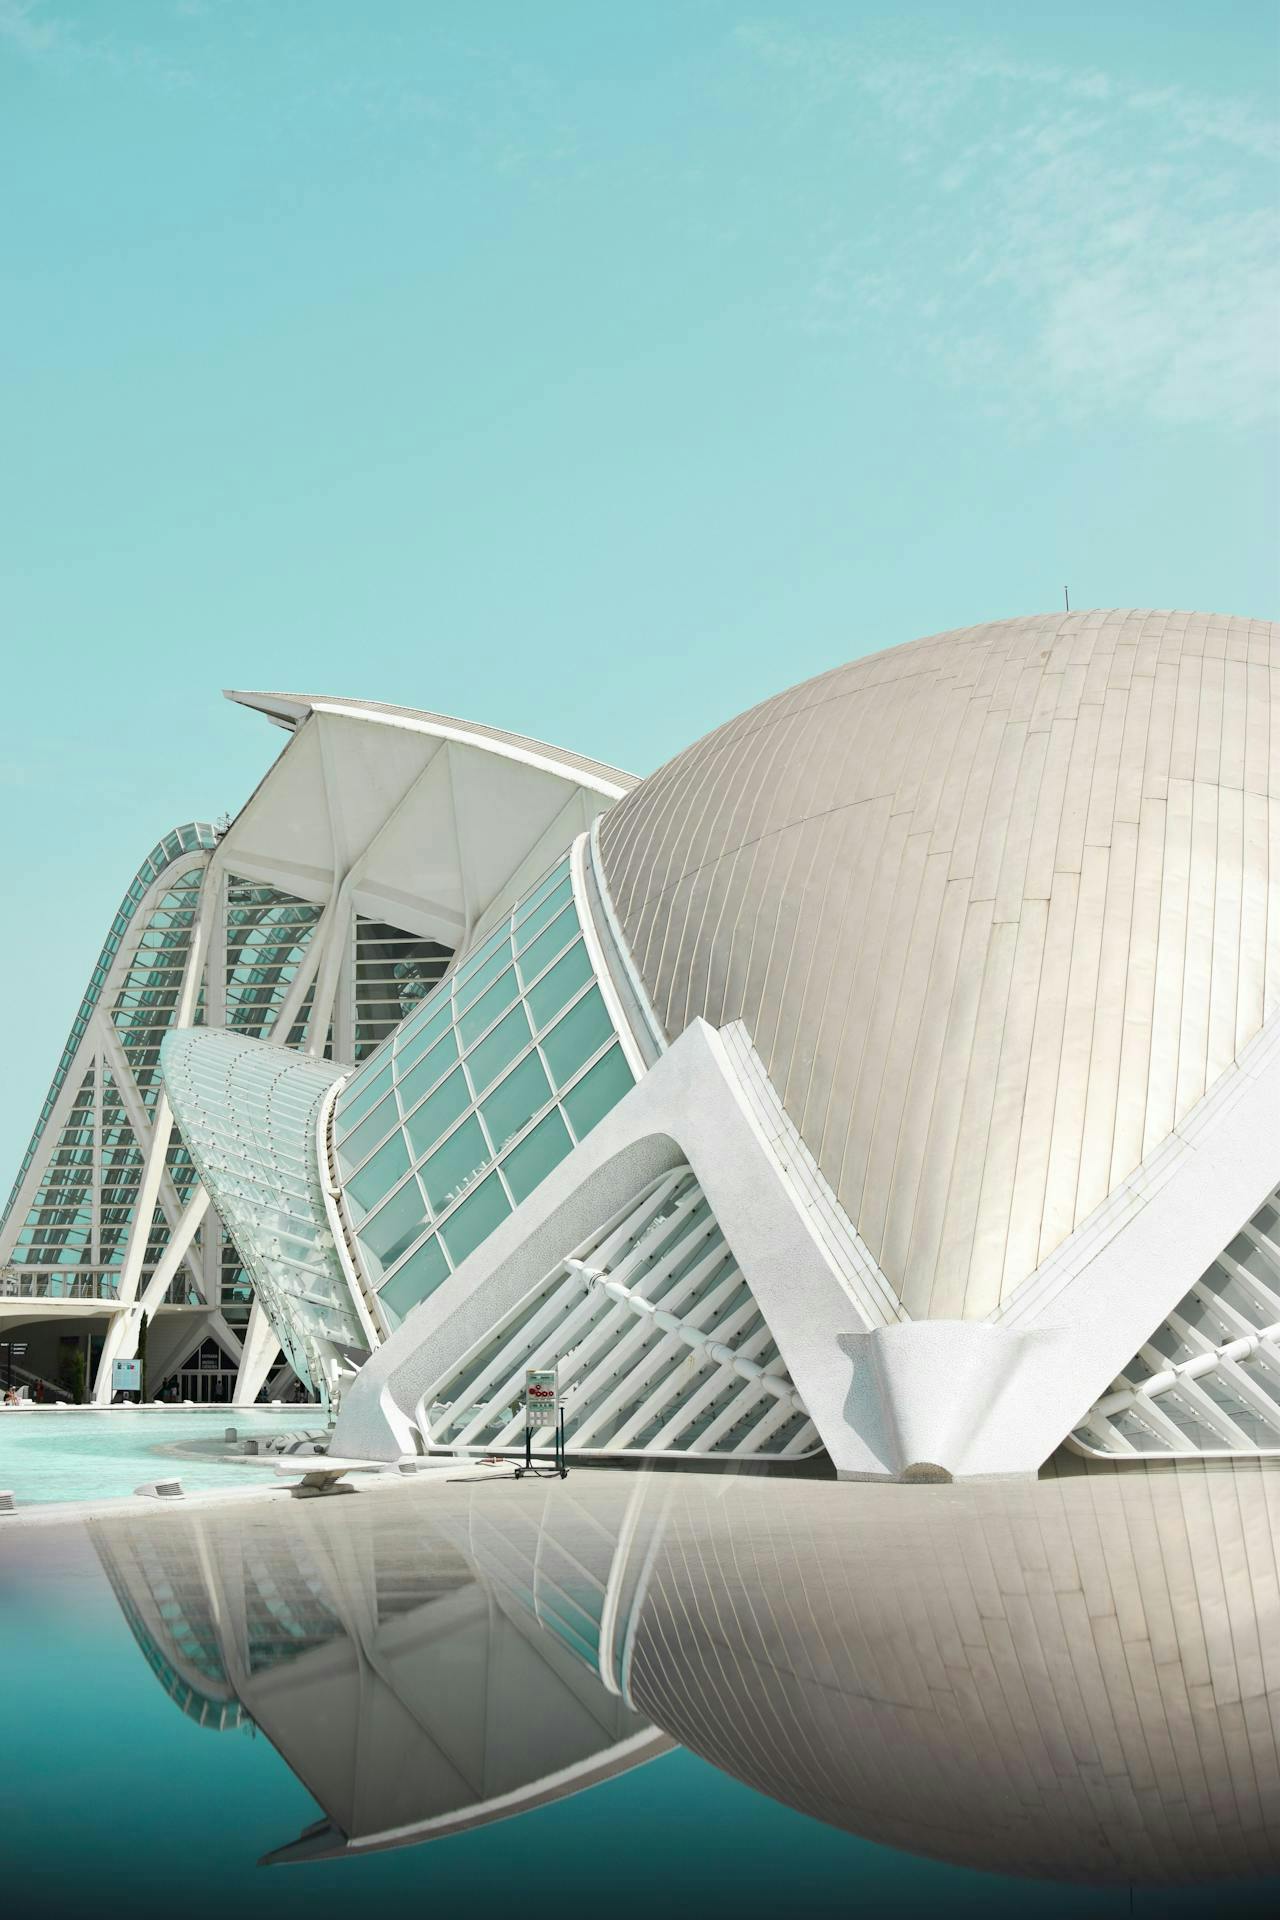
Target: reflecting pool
654 1692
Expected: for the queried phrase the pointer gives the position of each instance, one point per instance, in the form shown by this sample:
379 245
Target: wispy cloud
41 33
1061 243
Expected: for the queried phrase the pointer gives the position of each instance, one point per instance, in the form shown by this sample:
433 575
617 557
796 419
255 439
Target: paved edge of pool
373 1479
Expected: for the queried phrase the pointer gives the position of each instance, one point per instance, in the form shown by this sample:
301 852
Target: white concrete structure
894 1075
372 849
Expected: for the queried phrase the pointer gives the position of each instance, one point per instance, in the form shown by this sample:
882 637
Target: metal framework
317 920
660 1343
1208 1379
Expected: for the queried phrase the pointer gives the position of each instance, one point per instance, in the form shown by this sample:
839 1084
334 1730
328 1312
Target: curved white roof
997 908
430 823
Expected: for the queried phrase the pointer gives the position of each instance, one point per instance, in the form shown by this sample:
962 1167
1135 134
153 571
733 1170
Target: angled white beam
154 1168
261 1349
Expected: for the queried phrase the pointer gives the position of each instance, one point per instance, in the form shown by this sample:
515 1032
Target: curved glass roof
247 1111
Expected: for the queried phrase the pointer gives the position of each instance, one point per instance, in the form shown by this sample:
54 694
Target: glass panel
553 940
411 1046
355 1100
582 1032
597 1091
418 1278
364 1138
546 999
424 1075
498 1049
487 1008
476 1218
447 1171
377 1177
515 1100
438 1112
532 917
530 1163
395 1226
476 975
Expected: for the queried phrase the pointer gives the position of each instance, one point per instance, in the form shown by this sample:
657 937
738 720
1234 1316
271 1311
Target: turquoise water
97 1456
114 1796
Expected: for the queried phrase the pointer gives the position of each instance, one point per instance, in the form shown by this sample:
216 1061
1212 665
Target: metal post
564 1471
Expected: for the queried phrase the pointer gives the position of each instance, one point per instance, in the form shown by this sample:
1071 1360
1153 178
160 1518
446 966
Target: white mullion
514 1426
215 984
750 1391
665 1345
669 1384
806 1440
733 1411
1213 1416
96 1175
777 1416
493 1384
1248 1390
629 1349
1268 1298
1257 1397
1245 1328
684 1416
625 1231
1106 1433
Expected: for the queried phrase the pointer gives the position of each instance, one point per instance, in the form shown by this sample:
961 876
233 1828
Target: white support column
136 1115
291 1006
167 1269
96 1175
330 959
257 1357
122 1334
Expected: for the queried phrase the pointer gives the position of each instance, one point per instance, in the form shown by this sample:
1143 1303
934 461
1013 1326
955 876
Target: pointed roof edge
289 710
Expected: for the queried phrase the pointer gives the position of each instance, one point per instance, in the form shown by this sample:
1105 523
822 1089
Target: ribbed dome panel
997 908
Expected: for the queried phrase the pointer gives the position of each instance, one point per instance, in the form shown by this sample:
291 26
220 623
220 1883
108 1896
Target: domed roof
996 907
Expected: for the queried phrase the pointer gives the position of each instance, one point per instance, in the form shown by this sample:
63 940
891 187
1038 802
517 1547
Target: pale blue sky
593 369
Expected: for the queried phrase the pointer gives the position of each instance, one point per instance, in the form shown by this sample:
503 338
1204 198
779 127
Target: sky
590 369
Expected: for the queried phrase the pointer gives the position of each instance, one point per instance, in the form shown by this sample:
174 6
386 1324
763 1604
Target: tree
71 1372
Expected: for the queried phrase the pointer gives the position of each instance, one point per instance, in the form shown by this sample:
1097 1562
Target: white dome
997 908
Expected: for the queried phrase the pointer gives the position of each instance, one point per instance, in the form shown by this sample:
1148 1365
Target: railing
58 1286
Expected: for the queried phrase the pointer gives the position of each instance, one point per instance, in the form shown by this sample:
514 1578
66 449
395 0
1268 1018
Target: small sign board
126 1376
541 1397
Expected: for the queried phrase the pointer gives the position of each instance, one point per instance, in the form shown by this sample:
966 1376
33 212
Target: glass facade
196 836
248 1112
478 1094
71 1239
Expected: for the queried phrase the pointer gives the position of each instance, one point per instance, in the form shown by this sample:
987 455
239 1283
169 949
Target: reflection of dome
993 909
1065 1677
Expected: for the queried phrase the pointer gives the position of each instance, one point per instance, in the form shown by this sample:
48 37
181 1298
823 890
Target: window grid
520 1025
352 1167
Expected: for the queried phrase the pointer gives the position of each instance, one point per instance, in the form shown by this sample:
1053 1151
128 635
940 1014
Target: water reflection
1075 1678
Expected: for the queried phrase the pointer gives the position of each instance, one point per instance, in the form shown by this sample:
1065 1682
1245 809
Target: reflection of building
1069 1677
323 914
893 1077
409 1693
